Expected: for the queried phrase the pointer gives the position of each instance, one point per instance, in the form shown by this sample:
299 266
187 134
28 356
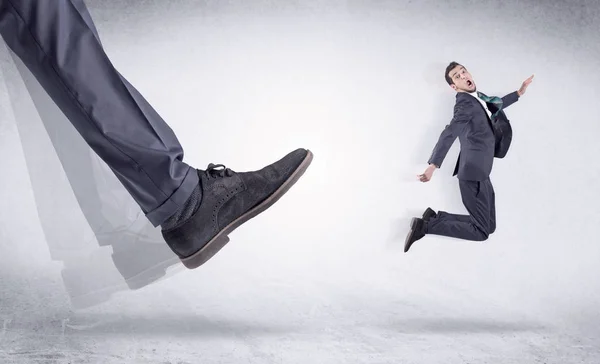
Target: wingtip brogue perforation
228 200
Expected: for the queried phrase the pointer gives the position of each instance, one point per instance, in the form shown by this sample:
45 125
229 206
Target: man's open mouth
469 83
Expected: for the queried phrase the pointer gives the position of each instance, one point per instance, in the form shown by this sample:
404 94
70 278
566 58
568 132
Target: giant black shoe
228 200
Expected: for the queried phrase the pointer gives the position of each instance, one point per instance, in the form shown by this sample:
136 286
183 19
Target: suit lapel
483 109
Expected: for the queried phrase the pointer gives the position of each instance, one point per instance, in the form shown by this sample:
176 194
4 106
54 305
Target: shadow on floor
443 325
177 325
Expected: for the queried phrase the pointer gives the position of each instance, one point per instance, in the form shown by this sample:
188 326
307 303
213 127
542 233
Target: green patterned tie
492 100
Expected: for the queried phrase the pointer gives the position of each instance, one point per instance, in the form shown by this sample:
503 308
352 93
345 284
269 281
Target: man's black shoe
229 199
428 214
415 233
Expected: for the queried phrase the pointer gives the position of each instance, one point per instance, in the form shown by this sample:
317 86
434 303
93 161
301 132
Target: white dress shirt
474 94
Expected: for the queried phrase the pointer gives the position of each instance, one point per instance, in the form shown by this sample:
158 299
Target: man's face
463 81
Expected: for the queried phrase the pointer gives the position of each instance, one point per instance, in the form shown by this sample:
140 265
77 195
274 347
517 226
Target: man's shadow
452 325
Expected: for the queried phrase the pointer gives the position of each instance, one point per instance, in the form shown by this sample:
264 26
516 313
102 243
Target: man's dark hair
448 69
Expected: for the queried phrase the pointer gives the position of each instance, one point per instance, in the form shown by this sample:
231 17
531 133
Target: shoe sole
407 243
221 239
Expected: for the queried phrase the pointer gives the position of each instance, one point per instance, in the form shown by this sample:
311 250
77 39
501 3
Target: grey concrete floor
385 315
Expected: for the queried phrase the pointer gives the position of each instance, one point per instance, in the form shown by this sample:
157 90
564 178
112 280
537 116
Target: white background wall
361 85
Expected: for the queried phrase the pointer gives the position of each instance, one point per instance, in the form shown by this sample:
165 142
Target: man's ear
453 87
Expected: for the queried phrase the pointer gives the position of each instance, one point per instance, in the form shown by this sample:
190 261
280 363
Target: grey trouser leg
447 215
479 199
61 49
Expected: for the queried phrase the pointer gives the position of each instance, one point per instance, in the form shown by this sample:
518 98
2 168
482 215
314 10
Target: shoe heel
207 252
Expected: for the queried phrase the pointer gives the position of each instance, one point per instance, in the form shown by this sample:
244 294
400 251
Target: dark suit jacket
472 126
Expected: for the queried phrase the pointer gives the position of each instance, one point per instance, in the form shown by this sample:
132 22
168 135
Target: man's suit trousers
58 42
479 199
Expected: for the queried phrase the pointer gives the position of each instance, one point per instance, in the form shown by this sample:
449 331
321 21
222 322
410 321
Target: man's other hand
426 176
524 86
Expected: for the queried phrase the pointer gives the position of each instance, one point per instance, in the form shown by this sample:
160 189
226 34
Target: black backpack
502 130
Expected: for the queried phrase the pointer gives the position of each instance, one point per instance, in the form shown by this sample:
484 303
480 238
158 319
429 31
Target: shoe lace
218 170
